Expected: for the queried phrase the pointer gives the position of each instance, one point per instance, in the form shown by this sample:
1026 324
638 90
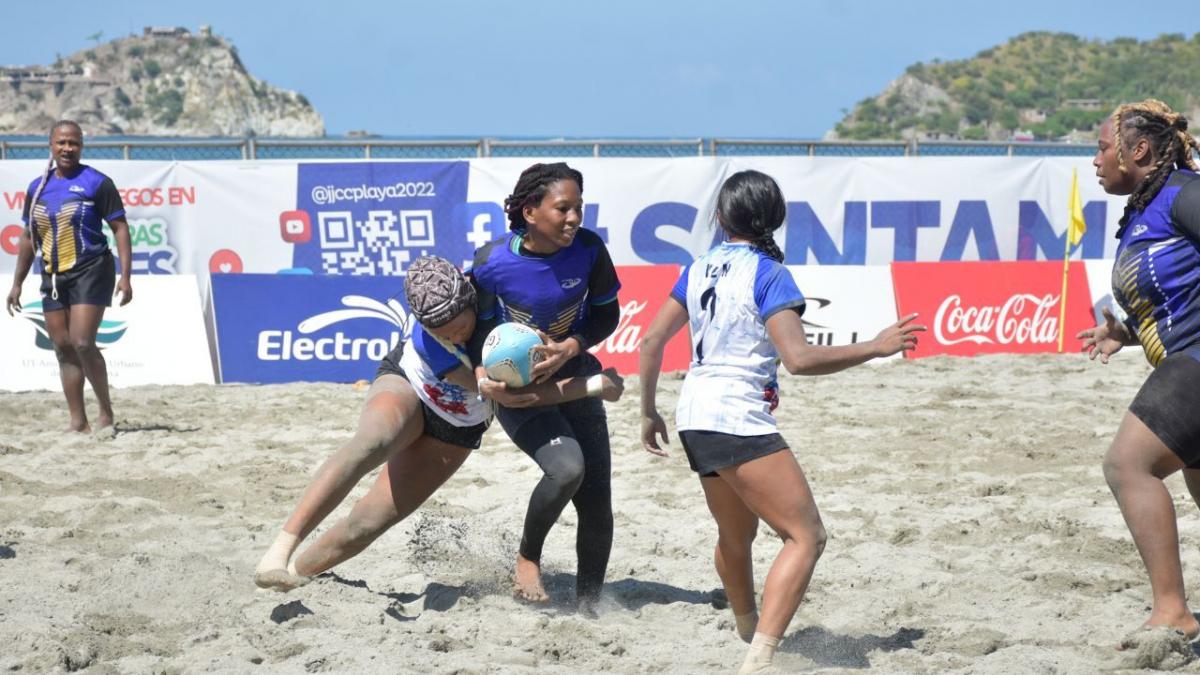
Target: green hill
1053 85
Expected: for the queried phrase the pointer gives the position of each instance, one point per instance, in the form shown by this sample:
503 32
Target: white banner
373 217
158 338
845 304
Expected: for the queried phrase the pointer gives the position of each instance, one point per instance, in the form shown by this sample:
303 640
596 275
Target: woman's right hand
652 426
501 394
1105 339
13 302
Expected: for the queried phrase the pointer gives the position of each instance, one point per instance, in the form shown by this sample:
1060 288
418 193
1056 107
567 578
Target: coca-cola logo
1024 318
628 335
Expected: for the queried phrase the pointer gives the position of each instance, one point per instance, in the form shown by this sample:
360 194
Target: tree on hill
1051 84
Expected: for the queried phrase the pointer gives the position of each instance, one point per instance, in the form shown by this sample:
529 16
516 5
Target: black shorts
708 451
435 427
89 283
1167 403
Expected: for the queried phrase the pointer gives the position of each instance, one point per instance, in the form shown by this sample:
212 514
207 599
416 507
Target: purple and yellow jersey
67 217
1156 275
551 293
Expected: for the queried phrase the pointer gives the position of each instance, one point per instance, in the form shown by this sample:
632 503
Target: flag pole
1062 306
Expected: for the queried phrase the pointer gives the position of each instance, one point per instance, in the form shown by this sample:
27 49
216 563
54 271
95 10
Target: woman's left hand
554 355
125 289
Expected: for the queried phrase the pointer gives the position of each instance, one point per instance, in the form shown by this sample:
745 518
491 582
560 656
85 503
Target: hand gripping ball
509 355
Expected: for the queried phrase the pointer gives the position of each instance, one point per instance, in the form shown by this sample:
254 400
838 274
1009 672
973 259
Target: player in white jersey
743 309
423 416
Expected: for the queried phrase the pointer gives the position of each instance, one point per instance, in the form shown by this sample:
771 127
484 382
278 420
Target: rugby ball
509 355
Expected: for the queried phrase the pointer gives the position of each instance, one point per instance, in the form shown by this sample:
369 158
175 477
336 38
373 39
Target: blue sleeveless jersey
551 293
1156 275
67 217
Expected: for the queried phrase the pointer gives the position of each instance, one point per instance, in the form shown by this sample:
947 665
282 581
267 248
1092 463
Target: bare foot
279 580
527 581
80 427
1186 626
104 420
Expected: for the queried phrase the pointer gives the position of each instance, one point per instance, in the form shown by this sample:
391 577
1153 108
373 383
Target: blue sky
617 68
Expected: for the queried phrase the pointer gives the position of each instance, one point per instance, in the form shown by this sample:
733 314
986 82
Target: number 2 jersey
1156 274
731 385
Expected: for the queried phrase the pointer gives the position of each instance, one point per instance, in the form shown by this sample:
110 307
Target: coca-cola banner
644 289
845 304
989 308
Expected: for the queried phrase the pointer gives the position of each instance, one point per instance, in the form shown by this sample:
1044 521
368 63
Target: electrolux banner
321 328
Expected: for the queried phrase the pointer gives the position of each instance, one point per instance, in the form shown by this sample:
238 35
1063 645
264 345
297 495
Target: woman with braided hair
744 311
423 416
1146 152
552 275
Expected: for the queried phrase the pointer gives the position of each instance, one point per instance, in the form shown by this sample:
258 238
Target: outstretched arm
800 358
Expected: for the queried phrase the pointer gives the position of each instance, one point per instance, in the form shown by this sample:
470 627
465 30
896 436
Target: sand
970 531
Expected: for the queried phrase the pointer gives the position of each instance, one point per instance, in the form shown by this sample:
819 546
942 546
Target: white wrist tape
595 385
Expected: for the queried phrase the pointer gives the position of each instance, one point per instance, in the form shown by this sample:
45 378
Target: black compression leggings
573 452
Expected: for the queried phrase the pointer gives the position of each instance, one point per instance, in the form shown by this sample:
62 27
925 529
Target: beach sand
970 531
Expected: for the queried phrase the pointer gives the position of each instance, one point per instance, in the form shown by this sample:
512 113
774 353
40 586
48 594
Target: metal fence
371 148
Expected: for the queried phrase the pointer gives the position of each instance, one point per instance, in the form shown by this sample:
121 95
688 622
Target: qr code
376 245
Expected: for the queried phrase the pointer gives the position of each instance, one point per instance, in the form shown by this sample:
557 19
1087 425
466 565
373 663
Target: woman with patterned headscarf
1146 152
423 416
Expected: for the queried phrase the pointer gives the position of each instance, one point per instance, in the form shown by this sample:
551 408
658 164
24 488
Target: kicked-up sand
971 531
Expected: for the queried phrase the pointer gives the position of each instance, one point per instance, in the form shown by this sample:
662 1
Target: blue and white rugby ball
509 355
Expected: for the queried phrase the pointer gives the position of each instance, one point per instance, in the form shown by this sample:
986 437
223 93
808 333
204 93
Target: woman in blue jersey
552 275
744 311
64 213
1146 152
423 416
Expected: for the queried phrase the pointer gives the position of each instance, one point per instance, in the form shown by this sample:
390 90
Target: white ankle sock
746 623
277 556
762 651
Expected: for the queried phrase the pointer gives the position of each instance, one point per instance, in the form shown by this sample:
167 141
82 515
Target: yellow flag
1077 227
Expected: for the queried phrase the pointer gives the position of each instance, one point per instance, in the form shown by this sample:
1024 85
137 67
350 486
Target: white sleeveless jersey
730 292
425 361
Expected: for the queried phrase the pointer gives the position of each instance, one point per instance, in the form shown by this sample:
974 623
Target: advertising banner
643 291
158 338
274 328
373 217
990 308
845 304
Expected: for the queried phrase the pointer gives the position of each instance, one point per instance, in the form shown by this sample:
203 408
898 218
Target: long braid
532 186
1166 131
751 206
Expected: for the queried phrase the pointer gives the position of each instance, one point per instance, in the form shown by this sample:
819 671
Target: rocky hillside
165 82
1049 86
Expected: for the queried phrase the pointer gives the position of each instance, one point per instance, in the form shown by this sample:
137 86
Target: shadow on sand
842 651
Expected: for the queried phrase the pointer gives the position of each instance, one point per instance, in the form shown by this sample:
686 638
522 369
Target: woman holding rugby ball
554 276
422 416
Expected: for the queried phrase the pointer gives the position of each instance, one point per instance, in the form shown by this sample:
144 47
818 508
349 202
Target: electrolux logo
110 331
285 345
